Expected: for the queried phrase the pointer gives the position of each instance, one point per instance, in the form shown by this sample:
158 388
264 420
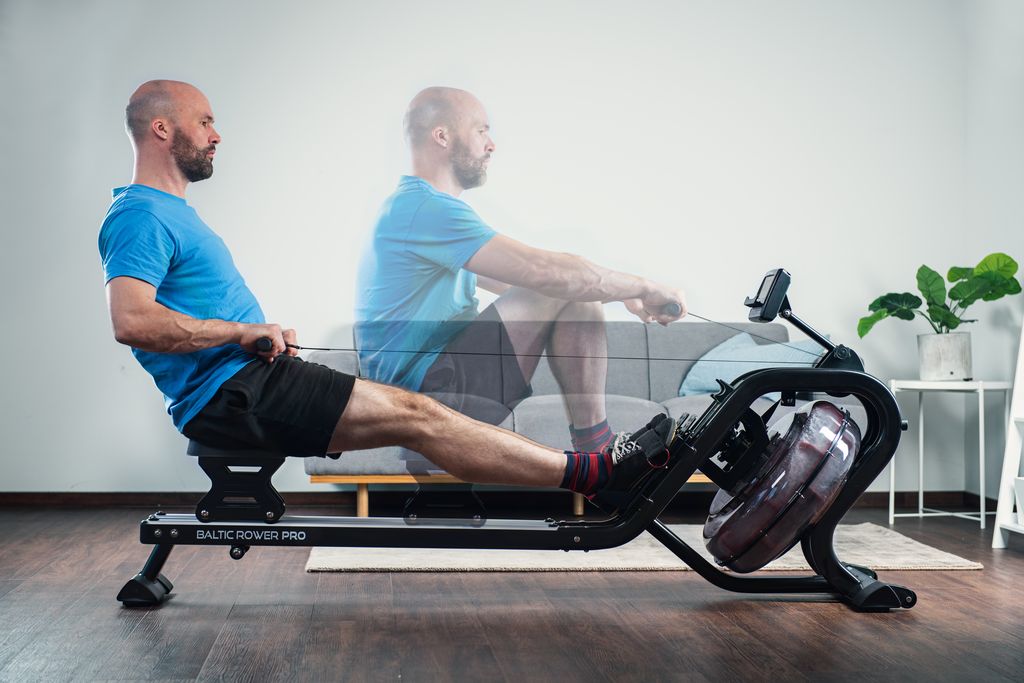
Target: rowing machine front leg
149 587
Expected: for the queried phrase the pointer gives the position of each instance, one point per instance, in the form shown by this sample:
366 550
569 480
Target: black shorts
479 363
288 406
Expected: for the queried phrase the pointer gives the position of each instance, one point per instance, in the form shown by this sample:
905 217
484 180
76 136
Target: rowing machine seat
240 486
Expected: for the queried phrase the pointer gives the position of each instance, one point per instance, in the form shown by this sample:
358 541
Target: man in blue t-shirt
419 324
177 299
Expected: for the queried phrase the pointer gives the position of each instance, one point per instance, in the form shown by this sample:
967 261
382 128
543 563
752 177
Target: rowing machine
729 442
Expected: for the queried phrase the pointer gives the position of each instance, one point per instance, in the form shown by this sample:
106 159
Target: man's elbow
122 336
126 332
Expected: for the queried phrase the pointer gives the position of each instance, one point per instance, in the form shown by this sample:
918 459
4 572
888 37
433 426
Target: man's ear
440 136
161 128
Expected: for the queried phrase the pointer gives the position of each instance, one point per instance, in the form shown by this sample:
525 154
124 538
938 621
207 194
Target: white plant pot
945 356
1018 489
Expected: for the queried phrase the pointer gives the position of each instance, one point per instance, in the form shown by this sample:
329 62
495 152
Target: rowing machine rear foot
880 597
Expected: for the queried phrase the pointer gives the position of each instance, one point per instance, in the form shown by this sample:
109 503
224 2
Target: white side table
955 386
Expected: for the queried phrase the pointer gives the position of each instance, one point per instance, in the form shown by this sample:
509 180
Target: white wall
700 143
995 190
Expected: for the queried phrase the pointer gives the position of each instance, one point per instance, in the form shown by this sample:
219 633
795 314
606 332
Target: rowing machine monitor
771 295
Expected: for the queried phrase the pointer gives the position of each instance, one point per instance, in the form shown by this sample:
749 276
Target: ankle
586 472
593 439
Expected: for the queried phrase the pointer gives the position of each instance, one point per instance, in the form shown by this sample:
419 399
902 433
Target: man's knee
589 311
382 415
521 304
411 408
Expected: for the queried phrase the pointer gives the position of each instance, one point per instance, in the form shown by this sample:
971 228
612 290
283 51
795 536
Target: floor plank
352 617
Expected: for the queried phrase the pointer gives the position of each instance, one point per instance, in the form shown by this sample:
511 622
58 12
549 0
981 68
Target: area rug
864 544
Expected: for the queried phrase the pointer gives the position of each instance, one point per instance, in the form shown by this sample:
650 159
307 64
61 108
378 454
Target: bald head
171 127
153 100
449 138
436 107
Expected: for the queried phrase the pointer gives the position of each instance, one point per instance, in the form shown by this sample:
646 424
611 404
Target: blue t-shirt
413 295
158 238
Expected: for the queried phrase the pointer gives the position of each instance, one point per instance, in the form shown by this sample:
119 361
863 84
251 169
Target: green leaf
932 286
1002 287
998 263
987 286
865 324
957 273
968 291
900 306
942 316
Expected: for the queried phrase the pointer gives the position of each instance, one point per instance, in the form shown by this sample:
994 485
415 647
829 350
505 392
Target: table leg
920 452
892 489
1006 407
981 452
362 500
892 475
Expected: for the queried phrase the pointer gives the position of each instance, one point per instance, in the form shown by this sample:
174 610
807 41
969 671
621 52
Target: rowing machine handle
264 344
672 308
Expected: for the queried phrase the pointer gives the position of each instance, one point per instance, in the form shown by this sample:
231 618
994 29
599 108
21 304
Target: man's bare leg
528 318
380 415
578 354
573 334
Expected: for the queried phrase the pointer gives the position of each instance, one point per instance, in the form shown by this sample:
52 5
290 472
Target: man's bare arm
492 285
568 276
142 323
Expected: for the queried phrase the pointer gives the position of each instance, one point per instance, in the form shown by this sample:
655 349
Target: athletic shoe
634 457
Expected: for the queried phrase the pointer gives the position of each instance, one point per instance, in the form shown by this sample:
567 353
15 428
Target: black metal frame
260 522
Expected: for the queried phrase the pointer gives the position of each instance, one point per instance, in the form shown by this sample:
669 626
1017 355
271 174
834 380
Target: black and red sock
594 439
586 472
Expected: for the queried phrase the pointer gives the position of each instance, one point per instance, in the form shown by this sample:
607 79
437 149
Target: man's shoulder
130 204
413 204
130 216
439 210
417 192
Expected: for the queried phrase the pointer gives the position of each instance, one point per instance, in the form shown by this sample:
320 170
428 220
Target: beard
469 170
191 161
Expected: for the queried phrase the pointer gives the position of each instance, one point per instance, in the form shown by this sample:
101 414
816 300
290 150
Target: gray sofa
646 366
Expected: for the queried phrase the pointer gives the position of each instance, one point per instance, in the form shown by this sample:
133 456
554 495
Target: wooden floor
263 618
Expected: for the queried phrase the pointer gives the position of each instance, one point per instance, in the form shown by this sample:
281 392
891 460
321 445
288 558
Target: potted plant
946 354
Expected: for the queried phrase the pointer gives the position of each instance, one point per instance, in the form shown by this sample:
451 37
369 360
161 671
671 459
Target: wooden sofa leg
577 504
362 500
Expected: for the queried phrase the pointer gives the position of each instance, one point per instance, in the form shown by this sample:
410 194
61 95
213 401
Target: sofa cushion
543 418
674 349
390 460
742 353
